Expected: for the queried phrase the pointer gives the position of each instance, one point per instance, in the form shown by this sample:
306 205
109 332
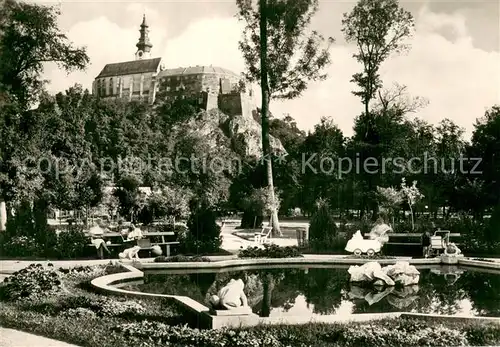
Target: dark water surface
320 291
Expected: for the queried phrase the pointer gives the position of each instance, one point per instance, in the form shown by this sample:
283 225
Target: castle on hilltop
146 79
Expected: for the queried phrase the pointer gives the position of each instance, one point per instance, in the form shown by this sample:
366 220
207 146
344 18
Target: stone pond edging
307 260
479 263
109 284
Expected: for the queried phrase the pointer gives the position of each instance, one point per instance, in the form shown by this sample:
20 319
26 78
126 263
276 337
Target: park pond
313 291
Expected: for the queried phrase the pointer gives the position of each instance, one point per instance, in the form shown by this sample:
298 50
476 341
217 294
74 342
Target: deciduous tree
30 37
283 56
378 28
412 195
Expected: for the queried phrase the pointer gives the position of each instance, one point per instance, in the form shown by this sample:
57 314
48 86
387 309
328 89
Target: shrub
480 247
74 302
79 312
185 336
322 228
424 224
84 274
103 306
32 281
377 335
71 242
20 246
270 251
181 259
491 232
403 227
177 228
17 242
480 335
108 307
204 233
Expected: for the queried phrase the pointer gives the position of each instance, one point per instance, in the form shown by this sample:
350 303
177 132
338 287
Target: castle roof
192 70
130 67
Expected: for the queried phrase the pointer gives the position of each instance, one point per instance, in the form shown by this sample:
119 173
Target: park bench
145 243
409 235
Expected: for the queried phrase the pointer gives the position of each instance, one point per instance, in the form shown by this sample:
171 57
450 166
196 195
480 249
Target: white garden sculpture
452 250
131 253
231 297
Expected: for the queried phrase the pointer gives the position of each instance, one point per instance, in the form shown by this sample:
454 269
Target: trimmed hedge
91 331
181 259
270 251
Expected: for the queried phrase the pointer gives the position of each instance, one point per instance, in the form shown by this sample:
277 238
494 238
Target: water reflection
398 297
322 291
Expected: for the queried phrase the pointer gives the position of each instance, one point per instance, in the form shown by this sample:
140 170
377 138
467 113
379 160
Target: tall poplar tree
283 56
379 29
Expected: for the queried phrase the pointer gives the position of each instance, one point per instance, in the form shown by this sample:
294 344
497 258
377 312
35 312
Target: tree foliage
282 55
296 55
485 145
170 202
30 38
378 28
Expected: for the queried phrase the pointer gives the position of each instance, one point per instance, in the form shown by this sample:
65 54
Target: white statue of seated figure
130 253
230 296
452 250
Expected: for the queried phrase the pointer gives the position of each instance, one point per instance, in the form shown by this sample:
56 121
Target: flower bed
77 316
181 259
270 251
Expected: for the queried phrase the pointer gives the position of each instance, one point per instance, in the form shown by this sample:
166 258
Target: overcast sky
454 59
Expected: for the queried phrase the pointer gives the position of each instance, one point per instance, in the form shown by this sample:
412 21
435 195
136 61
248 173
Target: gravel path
233 243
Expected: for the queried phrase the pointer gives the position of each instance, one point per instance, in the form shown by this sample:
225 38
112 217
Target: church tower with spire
144 45
141 78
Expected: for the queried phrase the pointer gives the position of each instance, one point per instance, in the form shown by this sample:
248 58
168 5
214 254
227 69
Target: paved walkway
15 338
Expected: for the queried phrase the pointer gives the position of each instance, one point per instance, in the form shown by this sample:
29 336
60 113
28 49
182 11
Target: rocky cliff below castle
241 133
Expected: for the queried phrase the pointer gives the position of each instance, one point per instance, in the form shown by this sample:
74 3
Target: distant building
132 80
145 79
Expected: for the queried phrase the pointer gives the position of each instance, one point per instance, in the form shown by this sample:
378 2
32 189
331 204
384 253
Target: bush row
270 251
27 239
401 333
67 243
110 333
37 281
181 259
